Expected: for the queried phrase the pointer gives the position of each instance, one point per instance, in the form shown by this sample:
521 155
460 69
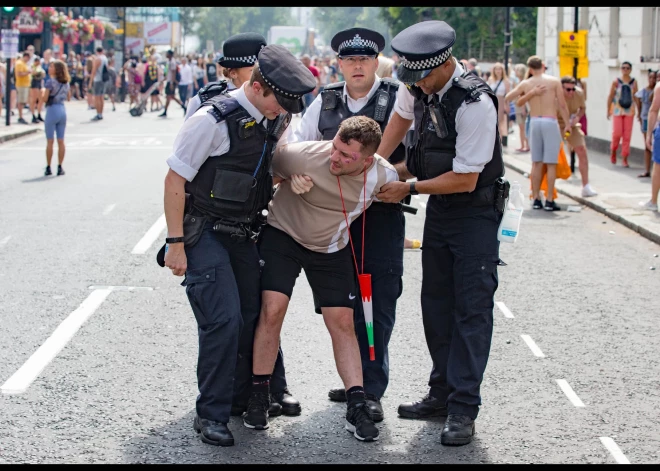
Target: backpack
104 74
625 99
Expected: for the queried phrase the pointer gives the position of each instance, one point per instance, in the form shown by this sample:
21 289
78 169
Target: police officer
239 56
364 93
457 159
222 160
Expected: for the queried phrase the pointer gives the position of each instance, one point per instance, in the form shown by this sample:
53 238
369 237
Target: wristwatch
173 240
412 189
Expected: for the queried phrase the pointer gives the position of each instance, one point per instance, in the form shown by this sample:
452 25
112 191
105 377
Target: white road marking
150 237
5 240
563 384
614 449
504 309
26 374
73 148
124 288
532 346
109 208
416 197
422 204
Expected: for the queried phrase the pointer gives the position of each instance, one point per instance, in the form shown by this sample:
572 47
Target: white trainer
648 206
587 191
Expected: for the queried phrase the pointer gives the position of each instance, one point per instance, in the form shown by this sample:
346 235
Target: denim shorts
656 145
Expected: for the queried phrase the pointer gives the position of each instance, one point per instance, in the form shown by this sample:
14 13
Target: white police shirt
195 102
476 127
201 137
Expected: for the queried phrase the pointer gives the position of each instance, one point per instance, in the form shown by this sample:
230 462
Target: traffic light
6 16
8 9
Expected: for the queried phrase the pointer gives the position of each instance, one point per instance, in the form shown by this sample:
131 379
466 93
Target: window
654 52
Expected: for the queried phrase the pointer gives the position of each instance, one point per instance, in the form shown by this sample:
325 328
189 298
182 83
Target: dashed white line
422 204
563 384
26 374
149 238
614 449
109 208
504 309
532 346
5 240
416 197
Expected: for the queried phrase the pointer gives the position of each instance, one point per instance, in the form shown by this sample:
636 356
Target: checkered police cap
357 42
429 63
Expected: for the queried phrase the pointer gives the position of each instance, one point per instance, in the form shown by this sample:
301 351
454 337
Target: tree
188 17
332 20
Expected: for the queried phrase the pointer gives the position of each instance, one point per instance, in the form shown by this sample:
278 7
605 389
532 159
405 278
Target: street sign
573 44
10 43
135 30
158 33
566 67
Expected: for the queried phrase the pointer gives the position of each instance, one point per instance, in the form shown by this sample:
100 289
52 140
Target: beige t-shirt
315 219
574 103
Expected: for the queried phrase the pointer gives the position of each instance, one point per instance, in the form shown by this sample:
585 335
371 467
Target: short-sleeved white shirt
476 127
201 137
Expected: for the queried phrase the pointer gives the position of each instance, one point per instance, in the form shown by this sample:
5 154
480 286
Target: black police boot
256 416
337 395
360 423
375 408
458 430
288 404
429 406
213 433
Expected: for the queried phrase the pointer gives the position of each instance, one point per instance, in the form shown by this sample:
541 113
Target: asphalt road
579 304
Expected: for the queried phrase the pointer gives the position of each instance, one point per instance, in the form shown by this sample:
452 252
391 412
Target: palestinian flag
367 308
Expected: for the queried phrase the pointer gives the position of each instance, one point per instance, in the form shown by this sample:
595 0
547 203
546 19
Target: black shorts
170 89
330 275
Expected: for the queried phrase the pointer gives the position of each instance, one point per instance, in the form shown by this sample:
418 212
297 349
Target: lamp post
507 39
575 76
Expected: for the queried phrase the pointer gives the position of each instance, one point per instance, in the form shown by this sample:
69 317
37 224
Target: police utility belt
491 195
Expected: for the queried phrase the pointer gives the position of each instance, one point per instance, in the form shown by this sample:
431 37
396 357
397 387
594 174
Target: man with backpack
620 107
173 78
100 77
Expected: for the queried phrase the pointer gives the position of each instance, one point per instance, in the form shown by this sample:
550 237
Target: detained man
312 232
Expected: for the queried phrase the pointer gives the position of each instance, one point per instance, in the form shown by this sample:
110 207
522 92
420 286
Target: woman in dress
499 83
57 90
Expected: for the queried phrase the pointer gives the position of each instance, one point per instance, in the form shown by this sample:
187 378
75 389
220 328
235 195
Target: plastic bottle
510 225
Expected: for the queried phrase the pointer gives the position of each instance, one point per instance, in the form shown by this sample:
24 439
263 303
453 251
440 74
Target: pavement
571 378
619 189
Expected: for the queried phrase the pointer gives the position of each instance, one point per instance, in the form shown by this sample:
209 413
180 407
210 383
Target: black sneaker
48 171
22 121
34 120
163 115
538 204
551 206
360 423
40 118
256 416
97 118
60 170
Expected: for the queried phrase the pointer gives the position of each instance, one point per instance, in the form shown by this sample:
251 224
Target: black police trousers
460 255
383 260
223 287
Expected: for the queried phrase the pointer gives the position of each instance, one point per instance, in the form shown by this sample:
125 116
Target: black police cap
241 50
422 47
357 42
286 75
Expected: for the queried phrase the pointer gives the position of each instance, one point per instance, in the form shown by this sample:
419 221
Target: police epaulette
389 80
334 86
212 89
221 106
472 90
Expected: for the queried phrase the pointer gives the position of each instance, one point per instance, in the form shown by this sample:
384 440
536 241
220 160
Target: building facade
616 34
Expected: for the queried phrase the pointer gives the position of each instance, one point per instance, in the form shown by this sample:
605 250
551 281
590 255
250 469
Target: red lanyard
364 216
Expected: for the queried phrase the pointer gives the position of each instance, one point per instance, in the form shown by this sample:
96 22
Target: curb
16 135
652 236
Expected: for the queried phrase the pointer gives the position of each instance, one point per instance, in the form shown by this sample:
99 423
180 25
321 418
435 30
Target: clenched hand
301 184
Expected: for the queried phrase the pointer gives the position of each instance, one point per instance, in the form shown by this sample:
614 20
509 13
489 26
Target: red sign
26 23
157 30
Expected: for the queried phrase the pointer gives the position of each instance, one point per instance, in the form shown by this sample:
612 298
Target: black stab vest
235 186
430 155
334 110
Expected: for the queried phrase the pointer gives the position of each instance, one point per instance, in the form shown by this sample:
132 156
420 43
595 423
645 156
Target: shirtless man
546 98
312 233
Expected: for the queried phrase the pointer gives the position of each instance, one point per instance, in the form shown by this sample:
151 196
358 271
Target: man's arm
174 202
516 92
395 131
95 65
308 127
563 107
653 117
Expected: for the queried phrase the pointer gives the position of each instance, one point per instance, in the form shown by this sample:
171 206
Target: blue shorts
656 145
55 121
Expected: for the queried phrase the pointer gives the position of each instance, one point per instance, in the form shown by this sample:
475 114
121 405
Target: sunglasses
570 89
625 68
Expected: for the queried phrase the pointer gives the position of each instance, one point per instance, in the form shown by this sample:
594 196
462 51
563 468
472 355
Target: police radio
381 106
